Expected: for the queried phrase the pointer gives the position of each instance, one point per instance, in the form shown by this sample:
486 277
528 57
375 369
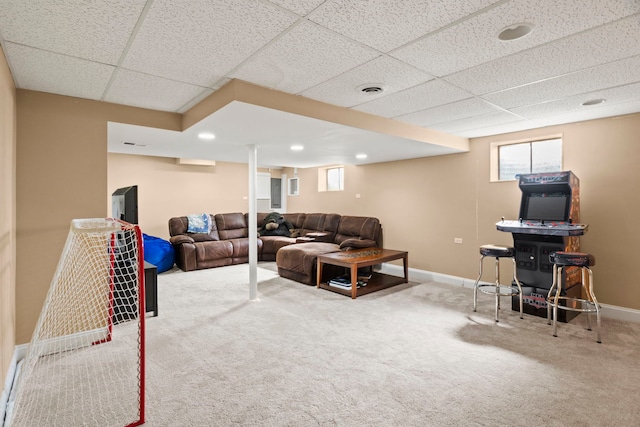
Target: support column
253 225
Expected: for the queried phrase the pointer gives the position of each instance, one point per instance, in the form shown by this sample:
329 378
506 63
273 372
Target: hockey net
85 363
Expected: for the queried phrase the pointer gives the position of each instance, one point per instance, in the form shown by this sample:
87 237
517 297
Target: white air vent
293 187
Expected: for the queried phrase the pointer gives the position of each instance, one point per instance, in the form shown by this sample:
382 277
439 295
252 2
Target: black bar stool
583 261
497 252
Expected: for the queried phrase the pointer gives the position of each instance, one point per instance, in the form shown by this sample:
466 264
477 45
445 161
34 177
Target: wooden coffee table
363 258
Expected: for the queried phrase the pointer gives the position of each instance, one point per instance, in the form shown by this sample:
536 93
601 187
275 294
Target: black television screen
547 207
124 204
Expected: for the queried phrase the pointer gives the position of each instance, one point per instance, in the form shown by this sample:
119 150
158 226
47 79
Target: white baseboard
6 400
415 275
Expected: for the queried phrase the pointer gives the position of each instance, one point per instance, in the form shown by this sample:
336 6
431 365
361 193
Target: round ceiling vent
593 102
515 32
371 88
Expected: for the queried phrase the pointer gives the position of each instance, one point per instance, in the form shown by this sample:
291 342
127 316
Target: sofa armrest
357 244
180 239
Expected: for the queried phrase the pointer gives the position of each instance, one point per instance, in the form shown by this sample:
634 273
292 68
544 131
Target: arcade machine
549 221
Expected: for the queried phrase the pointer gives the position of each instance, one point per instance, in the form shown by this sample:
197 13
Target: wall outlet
457 240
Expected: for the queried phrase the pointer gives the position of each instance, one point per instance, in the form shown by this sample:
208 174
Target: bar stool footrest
502 290
574 304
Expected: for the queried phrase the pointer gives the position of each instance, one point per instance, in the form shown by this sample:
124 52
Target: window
335 179
529 157
331 178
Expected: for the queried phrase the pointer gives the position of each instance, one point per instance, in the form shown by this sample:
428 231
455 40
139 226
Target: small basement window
511 159
331 178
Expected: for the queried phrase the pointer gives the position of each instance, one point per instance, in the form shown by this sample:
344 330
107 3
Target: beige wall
64 172
424 204
166 189
7 216
61 175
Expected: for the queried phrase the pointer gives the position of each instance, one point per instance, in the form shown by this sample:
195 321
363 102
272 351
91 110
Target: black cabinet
151 288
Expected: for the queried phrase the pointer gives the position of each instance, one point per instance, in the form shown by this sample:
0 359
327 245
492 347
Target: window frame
494 168
323 178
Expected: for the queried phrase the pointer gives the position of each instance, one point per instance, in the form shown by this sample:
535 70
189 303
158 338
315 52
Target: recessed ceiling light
371 88
515 32
593 102
297 148
361 156
206 135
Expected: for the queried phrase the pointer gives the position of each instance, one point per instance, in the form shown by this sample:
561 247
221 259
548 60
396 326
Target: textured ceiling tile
345 89
55 73
497 129
429 94
482 120
301 7
387 24
449 112
475 41
604 44
93 30
142 90
589 114
603 76
612 96
303 57
200 41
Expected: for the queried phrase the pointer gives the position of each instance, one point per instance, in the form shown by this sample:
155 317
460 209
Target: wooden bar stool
497 289
583 261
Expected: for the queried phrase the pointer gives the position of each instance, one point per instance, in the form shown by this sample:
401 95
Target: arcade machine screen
546 207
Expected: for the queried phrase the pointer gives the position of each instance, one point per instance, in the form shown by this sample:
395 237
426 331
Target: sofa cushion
302 257
359 227
231 225
213 250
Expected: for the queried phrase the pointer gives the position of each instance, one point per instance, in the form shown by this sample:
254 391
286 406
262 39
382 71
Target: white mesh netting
85 362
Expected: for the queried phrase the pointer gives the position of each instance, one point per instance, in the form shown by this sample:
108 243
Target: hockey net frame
85 364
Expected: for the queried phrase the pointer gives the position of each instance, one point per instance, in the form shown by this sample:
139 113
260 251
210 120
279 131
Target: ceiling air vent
133 144
371 88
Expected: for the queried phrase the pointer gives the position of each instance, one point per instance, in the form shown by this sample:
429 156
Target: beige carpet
412 355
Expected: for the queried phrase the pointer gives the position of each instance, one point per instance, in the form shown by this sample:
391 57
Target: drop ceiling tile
497 129
430 94
475 122
603 76
302 58
97 31
387 24
475 41
190 104
389 73
604 44
596 112
142 90
617 95
199 41
301 7
449 112
36 69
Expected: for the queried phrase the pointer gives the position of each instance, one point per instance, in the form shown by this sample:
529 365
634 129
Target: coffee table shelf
363 258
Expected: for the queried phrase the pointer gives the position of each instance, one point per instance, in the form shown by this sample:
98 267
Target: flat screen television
124 204
554 207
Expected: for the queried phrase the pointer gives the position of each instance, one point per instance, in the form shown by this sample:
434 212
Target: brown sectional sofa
228 242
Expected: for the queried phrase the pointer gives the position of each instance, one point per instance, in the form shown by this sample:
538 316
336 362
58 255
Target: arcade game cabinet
549 221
